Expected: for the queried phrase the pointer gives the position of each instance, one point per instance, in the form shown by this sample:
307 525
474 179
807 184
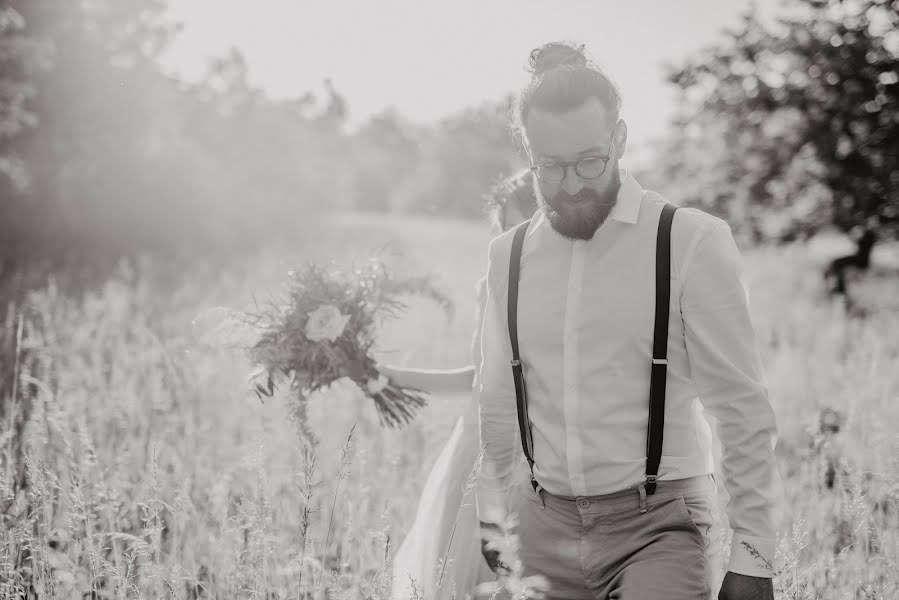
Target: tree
803 118
95 109
21 58
118 158
460 160
385 151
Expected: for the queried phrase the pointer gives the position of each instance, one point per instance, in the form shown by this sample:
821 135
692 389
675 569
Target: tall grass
150 470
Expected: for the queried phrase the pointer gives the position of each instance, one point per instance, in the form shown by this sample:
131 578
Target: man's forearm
726 367
493 488
498 416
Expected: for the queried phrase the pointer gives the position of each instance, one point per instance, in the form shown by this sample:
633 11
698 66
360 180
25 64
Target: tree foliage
102 154
791 127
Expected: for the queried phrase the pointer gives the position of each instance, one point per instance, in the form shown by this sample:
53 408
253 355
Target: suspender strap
659 372
524 425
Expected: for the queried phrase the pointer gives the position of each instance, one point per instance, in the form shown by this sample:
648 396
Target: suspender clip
516 362
537 489
647 488
660 361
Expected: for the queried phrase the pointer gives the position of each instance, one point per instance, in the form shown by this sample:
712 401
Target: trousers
606 547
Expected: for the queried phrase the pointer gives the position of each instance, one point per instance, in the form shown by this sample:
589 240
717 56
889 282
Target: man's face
575 206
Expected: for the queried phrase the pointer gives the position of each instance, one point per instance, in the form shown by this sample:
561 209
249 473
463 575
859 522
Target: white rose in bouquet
326 323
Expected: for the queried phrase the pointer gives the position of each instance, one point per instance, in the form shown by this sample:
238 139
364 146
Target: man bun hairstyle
555 54
562 79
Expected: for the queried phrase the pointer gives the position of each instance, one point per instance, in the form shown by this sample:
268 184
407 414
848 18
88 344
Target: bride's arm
446 381
434 381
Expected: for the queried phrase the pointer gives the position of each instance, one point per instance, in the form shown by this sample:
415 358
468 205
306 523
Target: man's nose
571 183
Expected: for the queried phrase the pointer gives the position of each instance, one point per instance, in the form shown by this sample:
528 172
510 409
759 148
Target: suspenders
659 368
524 423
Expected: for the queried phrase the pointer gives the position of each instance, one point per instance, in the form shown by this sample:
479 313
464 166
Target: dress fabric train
441 507
446 522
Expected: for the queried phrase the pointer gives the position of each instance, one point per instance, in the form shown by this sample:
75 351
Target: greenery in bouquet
326 330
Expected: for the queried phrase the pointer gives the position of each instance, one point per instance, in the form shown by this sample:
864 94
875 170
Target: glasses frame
575 163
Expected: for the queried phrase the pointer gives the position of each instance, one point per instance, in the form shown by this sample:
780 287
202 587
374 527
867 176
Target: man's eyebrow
598 150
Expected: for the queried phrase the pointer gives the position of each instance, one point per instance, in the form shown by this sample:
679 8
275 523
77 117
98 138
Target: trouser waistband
632 497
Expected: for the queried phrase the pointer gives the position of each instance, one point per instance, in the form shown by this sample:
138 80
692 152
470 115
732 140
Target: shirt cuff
751 555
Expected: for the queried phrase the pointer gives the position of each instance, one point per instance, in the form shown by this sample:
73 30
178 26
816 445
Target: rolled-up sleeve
496 393
728 373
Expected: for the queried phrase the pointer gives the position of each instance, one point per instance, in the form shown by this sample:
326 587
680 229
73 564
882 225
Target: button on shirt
586 317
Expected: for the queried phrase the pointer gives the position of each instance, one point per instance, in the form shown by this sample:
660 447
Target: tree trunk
835 273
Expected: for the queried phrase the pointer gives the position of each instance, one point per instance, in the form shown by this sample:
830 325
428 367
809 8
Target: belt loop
642 490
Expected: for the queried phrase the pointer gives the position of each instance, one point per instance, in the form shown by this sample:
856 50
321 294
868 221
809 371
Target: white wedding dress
446 523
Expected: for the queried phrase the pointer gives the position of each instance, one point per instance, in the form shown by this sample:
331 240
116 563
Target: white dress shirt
586 317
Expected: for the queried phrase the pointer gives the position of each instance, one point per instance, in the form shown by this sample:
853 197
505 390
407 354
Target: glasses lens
590 168
550 173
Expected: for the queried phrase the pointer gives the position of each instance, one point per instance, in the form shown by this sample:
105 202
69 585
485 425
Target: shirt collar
630 195
626 209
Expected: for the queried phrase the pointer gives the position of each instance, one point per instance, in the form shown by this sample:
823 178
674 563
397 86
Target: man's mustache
582 196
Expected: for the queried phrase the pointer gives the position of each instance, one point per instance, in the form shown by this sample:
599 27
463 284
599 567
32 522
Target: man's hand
489 531
746 587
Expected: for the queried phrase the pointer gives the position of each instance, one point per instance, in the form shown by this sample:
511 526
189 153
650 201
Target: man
595 526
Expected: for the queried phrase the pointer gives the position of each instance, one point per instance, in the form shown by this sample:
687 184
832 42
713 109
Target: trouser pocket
697 512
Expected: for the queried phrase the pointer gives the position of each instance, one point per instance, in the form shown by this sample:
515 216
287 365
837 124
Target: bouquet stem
396 406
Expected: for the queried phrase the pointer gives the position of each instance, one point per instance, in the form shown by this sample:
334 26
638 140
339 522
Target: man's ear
520 144
620 137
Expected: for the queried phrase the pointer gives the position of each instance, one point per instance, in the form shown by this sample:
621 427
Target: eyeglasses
589 167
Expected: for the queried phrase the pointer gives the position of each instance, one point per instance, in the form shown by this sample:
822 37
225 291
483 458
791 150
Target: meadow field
154 472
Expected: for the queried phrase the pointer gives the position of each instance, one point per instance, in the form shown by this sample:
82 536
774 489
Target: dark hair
562 78
516 188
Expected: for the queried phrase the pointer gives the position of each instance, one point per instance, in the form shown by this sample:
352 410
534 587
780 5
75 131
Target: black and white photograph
431 300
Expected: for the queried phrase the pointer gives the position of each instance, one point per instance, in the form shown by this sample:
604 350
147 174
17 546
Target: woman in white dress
446 529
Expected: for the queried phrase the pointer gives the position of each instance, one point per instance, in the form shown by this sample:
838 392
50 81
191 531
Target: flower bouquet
326 330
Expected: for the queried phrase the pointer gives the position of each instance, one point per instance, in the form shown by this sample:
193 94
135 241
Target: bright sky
429 58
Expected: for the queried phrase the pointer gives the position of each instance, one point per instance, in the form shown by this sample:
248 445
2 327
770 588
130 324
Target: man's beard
579 216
